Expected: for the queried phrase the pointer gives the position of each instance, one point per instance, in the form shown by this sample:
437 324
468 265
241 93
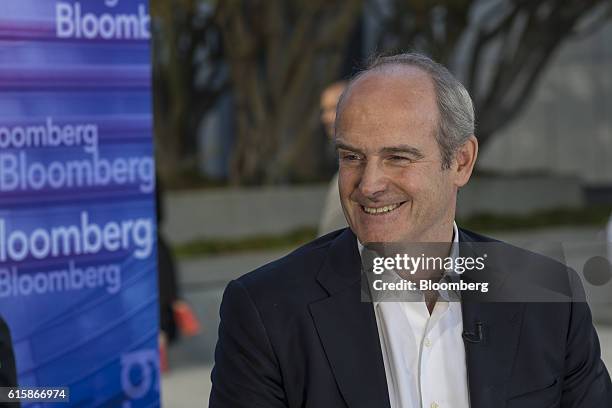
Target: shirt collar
448 275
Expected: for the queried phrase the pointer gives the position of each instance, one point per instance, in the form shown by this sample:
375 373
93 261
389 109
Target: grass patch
255 243
596 215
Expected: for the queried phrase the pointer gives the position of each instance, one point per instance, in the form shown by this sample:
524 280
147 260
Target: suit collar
342 267
347 328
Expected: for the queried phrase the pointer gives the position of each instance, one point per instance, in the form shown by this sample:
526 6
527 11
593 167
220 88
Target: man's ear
465 158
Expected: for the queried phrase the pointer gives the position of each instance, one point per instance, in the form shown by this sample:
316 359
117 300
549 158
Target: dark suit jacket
294 333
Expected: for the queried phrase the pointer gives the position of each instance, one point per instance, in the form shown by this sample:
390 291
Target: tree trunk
281 53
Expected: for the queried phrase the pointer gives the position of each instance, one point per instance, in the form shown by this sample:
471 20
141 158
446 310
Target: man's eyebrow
413 151
345 146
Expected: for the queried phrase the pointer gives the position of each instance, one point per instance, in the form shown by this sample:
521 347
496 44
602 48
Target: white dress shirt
423 354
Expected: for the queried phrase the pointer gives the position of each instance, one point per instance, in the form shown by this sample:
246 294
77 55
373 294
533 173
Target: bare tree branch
508 48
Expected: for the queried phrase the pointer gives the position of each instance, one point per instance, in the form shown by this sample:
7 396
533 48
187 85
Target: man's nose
373 180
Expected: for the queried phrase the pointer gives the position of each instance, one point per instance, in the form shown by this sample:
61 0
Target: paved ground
187 385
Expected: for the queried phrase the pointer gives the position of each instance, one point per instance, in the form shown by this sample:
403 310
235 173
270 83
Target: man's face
392 185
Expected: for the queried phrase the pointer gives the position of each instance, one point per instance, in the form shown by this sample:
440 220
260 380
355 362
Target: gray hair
456 120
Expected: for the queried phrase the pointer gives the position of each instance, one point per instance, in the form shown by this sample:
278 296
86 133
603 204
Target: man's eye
350 157
399 159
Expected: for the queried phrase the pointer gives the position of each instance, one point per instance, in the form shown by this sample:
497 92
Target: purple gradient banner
78 278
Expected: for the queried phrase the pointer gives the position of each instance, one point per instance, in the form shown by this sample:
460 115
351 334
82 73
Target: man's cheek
347 180
411 185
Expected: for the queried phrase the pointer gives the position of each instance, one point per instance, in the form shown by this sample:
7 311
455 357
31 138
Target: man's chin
379 236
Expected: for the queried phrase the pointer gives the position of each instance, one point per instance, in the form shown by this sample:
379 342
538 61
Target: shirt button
434 405
427 343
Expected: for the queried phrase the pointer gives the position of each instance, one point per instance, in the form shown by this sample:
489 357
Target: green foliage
255 243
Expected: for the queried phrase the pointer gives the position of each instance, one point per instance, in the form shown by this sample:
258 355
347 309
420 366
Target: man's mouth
381 210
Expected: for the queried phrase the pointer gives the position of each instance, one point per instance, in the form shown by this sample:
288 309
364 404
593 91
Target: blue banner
78 280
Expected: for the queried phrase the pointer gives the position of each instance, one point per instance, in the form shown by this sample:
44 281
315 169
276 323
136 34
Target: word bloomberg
13 283
18 173
71 22
426 285
83 238
50 134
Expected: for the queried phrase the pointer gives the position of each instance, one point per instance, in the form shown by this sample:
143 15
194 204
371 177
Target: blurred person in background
332 217
175 315
609 238
297 333
8 372
329 101
8 375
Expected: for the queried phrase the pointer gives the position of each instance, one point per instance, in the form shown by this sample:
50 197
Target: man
295 333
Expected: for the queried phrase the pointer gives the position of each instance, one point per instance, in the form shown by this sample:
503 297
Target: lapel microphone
474 337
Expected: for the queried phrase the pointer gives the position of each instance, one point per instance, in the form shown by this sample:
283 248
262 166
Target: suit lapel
347 328
489 361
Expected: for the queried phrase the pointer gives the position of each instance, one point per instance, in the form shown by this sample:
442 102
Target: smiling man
296 333
397 179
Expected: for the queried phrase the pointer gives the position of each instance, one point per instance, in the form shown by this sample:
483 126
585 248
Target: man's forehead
403 90
393 93
407 78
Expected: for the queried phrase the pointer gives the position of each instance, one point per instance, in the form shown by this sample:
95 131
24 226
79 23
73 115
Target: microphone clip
475 337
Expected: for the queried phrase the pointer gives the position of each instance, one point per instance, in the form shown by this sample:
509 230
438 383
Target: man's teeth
380 210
